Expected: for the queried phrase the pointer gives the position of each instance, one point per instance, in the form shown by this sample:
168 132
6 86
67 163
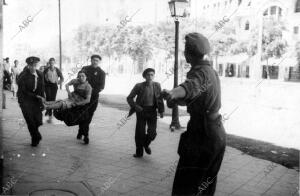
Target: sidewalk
106 165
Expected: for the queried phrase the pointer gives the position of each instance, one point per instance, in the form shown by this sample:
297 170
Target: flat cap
32 59
148 70
197 44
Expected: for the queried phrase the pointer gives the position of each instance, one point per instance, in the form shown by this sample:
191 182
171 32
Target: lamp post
178 9
59 23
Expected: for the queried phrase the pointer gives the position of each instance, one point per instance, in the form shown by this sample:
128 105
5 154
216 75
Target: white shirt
35 80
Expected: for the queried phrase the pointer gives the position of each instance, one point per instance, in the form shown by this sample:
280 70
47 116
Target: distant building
248 14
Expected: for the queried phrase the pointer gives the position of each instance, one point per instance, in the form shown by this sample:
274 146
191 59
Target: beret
147 70
32 59
196 43
96 56
52 59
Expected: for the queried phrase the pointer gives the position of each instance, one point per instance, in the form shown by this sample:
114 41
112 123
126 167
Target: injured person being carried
80 96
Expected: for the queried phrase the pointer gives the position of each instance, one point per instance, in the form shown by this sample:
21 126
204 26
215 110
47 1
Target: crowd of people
201 148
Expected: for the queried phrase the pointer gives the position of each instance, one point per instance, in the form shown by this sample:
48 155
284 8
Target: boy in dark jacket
147 102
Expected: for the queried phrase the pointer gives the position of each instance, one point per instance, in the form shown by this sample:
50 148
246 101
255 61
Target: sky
43 28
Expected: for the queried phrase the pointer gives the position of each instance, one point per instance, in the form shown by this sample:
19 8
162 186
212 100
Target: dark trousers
198 175
33 117
51 91
147 116
90 108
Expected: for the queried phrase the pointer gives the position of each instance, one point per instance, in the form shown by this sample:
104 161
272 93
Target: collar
33 74
94 67
82 82
201 63
145 83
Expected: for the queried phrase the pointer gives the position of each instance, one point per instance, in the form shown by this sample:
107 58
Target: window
265 12
218 4
273 10
225 3
297 7
214 5
240 1
247 25
280 12
204 7
249 4
296 30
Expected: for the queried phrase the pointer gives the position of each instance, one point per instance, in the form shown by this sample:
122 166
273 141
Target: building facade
246 15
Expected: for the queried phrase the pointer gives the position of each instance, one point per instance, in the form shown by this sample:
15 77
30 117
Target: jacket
96 78
138 91
26 85
205 134
59 74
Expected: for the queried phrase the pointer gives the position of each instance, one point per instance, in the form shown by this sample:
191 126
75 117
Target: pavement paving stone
108 159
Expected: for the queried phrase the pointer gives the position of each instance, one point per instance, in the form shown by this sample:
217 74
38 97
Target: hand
168 96
165 94
41 98
161 115
171 103
138 108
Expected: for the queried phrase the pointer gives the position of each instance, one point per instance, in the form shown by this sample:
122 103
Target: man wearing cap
96 78
53 77
201 148
147 102
7 66
31 85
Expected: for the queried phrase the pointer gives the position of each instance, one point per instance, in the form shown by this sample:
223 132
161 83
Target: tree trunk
267 69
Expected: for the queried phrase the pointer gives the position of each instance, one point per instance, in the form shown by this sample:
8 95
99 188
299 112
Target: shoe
137 156
147 149
86 140
79 136
35 142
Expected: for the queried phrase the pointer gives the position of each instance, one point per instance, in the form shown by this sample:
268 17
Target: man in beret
53 77
148 100
96 78
201 148
7 66
31 86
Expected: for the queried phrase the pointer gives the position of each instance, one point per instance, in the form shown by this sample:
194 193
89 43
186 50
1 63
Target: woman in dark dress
31 85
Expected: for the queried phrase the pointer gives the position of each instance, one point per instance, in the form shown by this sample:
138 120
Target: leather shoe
147 149
86 140
137 156
79 136
35 142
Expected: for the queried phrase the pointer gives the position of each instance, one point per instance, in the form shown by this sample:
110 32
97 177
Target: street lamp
178 9
59 26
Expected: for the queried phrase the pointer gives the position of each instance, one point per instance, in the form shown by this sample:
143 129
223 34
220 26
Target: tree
273 44
140 47
223 43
